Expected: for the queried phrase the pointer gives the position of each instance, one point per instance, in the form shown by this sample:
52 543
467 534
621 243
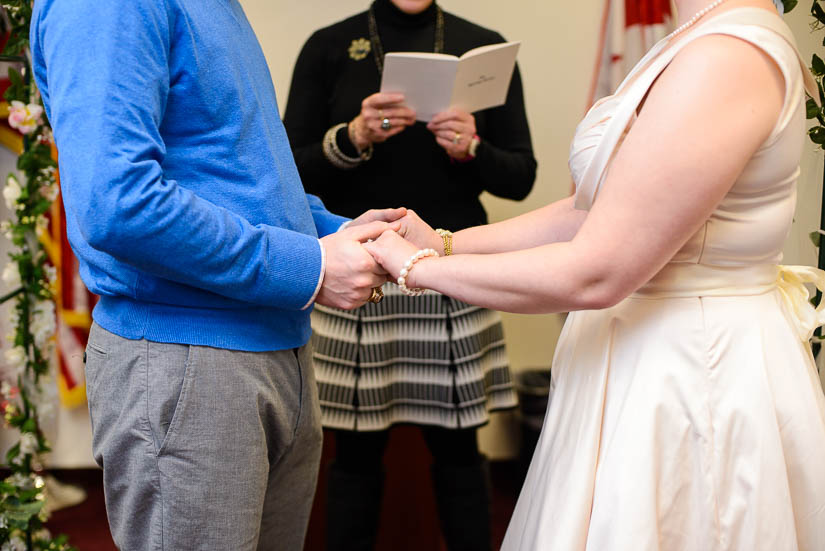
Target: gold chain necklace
378 50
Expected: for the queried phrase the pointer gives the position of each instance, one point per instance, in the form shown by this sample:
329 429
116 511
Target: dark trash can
533 388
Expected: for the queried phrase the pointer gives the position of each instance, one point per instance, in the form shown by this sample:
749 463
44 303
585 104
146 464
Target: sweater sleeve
505 163
106 103
325 222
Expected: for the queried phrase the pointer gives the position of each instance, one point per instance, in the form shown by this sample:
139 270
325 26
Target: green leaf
30 426
789 5
22 512
817 65
815 237
15 77
818 12
817 135
811 109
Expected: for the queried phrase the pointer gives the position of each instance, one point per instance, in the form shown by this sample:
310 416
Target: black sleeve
306 117
504 160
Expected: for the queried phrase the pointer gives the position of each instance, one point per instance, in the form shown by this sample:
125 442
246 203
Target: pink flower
25 118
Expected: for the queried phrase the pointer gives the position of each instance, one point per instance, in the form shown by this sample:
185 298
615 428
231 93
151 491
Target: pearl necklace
699 15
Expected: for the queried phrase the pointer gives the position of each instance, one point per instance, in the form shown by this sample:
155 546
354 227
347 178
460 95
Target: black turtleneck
410 169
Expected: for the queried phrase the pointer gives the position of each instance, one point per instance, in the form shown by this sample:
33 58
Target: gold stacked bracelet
447 237
338 158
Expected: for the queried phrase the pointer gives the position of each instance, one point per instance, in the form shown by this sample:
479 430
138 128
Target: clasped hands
370 251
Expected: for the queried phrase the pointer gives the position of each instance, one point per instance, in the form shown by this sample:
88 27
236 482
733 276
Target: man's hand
380 215
351 272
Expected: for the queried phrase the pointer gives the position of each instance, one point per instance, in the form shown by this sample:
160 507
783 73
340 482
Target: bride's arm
555 222
701 123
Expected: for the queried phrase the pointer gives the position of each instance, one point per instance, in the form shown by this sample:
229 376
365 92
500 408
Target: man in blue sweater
188 218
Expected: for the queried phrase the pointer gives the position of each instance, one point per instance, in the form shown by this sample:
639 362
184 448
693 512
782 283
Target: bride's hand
419 233
391 251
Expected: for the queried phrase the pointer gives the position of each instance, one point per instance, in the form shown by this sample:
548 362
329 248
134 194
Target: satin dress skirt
680 421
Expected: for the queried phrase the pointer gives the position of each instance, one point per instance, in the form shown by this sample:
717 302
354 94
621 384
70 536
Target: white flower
41 226
16 359
51 274
11 275
50 191
28 444
14 544
43 322
46 410
12 192
25 118
5 229
21 481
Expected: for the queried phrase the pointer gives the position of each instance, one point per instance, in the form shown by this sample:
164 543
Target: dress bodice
750 224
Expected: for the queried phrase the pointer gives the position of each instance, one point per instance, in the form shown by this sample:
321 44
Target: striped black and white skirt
428 360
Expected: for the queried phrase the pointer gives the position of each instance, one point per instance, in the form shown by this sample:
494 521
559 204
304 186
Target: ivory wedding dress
689 417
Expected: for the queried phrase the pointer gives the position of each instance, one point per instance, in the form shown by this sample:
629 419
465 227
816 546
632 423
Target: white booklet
432 83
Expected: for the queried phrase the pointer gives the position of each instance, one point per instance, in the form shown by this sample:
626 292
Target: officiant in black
430 361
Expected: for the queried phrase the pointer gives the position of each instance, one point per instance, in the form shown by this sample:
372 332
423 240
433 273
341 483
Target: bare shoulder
724 61
722 79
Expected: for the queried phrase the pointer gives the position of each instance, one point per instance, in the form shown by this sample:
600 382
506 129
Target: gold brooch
359 49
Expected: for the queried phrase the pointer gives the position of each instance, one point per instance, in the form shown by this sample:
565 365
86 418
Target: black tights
363 452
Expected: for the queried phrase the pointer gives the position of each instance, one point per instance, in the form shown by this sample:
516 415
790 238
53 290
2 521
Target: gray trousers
203 448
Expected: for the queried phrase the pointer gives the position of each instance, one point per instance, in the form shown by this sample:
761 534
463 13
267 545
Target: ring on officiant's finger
456 138
386 124
376 296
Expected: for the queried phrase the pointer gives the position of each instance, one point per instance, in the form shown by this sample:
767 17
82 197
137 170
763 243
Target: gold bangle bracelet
447 237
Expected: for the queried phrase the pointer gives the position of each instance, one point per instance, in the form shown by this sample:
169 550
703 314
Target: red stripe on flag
646 12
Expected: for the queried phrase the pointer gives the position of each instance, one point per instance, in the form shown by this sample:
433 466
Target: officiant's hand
382 116
351 272
454 129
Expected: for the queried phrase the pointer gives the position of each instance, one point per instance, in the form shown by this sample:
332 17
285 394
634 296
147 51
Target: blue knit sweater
183 203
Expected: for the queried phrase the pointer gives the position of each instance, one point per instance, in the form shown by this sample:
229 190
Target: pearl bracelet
408 265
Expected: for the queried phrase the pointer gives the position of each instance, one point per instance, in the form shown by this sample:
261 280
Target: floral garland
27 390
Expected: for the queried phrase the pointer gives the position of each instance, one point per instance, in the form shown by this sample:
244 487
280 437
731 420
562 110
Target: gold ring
457 138
376 296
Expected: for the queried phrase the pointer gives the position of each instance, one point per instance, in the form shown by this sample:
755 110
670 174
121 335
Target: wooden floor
408 518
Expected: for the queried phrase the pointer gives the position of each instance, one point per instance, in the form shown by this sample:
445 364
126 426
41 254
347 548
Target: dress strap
735 23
